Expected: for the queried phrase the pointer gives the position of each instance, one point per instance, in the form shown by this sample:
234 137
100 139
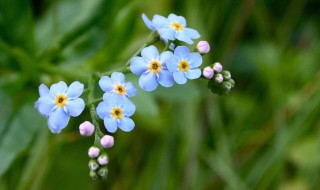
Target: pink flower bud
86 128
218 78
217 67
93 152
203 47
208 72
93 165
103 159
107 141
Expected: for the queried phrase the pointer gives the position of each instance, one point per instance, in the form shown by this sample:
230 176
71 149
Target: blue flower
115 112
59 103
117 84
184 65
152 68
174 27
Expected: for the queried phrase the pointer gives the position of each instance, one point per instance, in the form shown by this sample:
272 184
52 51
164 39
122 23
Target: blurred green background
265 134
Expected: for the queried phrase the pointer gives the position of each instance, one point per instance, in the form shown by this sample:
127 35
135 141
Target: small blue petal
183 36
128 107
75 90
179 77
148 81
43 90
165 56
194 59
159 21
148 22
166 78
193 34
58 119
150 52
130 89
112 99
126 124
180 19
181 52
58 88
138 65
118 78
111 124
104 110
193 73
167 33
172 64
45 104
106 84
74 107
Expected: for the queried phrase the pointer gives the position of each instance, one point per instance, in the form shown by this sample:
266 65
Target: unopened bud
86 128
217 67
93 152
93 175
208 72
103 171
226 74
226 86
203 47
231 82
218 78
93 165
103 159
107 141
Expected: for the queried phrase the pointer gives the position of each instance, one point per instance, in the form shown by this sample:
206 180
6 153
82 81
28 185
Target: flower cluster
176 63
220 80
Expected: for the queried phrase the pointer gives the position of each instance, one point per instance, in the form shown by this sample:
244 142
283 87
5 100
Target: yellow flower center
60 100
177 26
117 113
183 66
155 66
120 89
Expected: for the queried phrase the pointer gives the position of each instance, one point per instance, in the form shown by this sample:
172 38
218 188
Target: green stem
167 46
94 102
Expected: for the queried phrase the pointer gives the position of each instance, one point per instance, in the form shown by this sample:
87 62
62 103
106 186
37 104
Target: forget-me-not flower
184 65
115 112
117 84
59 103
152 68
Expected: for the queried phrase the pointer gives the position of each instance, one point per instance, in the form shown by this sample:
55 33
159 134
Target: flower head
184 65
115 112
59 103
173 27
152 68
117 84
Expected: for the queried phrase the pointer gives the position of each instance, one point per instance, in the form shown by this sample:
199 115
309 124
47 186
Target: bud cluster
220 81
98 163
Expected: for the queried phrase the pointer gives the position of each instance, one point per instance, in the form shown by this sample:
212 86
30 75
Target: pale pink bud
107 141
217 67
219 78
93 165
208 72
93 152
203 47
103 159
86 128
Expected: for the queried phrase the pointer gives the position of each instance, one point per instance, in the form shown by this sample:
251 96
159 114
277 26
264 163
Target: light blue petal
126 124
148 81
181 52
131 90
165 56
150 53
183 36
172 64
194 59
75 90
128 107
58 88
179 77
193 73
45 104
148 22
58 119
118 78
138 65
111 124
112 99
104 110
166 78
180 19
193 34
160 21
106 84
167 33
43 90
74 107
